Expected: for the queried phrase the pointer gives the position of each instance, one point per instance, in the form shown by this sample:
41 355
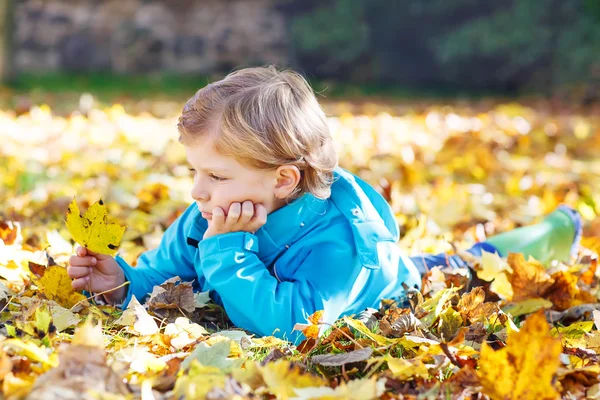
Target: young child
277 230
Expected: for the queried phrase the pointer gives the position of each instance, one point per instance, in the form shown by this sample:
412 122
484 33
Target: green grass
108 86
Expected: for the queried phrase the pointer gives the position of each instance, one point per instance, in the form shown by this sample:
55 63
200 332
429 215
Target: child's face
220 181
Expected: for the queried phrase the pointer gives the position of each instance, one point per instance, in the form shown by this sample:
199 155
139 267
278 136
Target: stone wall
143 36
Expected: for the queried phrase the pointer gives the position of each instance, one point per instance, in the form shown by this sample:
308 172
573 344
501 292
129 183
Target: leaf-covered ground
454 174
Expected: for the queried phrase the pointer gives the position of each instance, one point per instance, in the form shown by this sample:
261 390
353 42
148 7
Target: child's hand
96 273
246 217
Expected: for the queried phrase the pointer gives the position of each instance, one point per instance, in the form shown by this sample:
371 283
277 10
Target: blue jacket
337 255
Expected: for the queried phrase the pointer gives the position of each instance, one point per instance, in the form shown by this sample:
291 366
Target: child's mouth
206 215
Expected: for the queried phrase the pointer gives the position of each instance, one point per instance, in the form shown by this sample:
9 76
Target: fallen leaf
56 285
282 378
335 360
137 319
526 306
182 332
356 389
81 372
525 368
449 324
312 329
529 278
405 369
472 307
216 356
92 230
172 295
398 321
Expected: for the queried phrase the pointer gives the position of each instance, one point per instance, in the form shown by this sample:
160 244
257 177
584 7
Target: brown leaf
336 360
82 369
476 332
529 278
172 295
564 291
398 321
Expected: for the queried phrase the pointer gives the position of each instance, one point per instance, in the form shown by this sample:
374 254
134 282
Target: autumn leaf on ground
82 370
282 378
56 285
529 278
182 332
137 320
311 330
92 229
172 296
564 292
398 321
525 368
357 389
10 232
472 307
406 368
216 356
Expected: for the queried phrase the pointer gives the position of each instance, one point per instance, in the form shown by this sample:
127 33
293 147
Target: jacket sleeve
257 301
173 257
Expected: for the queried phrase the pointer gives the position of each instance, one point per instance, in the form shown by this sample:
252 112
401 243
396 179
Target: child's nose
199 193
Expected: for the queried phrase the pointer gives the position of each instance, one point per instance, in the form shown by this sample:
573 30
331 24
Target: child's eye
217 178
192 170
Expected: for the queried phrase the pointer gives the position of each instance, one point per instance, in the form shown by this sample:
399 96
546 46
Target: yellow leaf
526 306
14 387
525 368
282 377
405 369
491 266
198 381
31 351
92 230
449 323
56 285
356 389
362 328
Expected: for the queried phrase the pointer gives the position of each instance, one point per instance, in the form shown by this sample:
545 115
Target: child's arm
173 257
257 301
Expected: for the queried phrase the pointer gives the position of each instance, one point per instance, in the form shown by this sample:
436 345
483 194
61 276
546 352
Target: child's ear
288 178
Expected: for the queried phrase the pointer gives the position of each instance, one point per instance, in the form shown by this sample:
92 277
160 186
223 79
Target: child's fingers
247 211
235 210
260 217
218 217
76 261
78 272
81 251
80 283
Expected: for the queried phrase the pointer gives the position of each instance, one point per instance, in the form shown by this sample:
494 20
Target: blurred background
470 116
435 46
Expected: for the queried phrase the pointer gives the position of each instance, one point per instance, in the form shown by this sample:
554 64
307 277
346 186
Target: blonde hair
265 118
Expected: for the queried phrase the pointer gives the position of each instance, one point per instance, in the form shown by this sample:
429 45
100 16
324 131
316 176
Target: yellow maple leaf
524 369
56 285
92 230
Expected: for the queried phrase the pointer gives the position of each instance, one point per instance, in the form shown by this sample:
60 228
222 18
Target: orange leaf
529 279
